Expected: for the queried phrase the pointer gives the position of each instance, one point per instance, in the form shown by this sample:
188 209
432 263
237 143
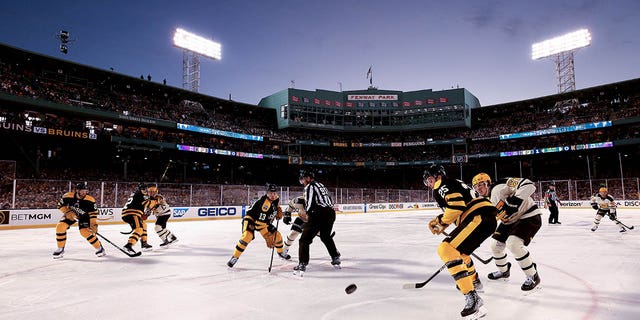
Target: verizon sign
388 97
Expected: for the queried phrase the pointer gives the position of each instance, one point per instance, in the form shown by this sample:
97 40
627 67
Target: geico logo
214 212
30 216
572 204
179 212
105 212
635 203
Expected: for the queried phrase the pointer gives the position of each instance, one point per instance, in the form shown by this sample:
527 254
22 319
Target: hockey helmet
306 173
142 186
153 190
603 190
434 170
272 187
481 177
81 186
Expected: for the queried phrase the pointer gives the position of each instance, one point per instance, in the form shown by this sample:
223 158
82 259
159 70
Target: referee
319 208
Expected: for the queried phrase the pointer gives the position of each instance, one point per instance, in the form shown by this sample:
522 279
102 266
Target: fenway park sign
388 97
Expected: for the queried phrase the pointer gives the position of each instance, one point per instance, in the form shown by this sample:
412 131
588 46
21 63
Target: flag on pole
370 75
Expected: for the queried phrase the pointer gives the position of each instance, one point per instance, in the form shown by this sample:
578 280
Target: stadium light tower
193 47
561 49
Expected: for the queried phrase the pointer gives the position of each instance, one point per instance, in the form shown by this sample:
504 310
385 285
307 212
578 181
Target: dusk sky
483 46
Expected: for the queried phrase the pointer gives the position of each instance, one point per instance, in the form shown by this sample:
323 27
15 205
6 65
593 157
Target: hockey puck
350 288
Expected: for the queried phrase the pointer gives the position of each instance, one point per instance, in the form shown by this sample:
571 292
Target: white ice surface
585 275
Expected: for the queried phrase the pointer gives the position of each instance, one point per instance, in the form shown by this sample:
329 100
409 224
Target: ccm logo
214 212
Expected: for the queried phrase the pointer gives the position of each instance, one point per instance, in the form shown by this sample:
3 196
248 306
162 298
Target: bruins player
78 206
520 221
605 205
132 213
259 218
157 205
475 220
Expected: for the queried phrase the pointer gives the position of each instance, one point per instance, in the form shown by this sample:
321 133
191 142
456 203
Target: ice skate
165 244
531 282
146 247
129 248
300 269
335 262
59 253
101 252
594 228
473 307
623 230
499 274
284 255
232 262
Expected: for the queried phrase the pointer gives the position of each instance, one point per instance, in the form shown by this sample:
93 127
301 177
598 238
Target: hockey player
132 213
475 220
551 202
157 205
520 221
259 218
605 205
321 216
78 206
295 205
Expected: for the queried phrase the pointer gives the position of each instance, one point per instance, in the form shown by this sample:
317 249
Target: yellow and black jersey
264 210
457 200
136 204
86 204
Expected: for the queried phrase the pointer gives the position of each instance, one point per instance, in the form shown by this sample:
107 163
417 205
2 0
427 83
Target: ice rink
584 274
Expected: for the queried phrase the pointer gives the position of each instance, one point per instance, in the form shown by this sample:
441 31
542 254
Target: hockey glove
594 206
271 228
511 205
287 218
436 226
612 214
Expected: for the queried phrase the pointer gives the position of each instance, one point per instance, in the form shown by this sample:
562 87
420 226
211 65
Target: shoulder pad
89 198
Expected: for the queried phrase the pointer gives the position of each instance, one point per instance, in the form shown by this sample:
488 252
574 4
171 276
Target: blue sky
484 46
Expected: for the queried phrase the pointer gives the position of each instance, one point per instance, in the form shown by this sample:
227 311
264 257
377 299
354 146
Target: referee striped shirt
317 195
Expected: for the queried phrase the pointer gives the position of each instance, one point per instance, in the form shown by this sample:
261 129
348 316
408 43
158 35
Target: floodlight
567 42
197 44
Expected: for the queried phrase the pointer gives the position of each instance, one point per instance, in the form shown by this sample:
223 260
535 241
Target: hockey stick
422 284
274 244
126 232
475 255
624 225
115 245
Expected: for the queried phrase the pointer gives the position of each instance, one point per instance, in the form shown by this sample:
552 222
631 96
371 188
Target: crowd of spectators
109 92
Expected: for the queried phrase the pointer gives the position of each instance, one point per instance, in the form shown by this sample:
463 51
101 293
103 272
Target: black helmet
306 173
434 170
81 186
272 187
142 186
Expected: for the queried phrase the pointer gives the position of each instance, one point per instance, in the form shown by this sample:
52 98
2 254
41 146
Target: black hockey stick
475 255
274 244
115 245
622 224
422 284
